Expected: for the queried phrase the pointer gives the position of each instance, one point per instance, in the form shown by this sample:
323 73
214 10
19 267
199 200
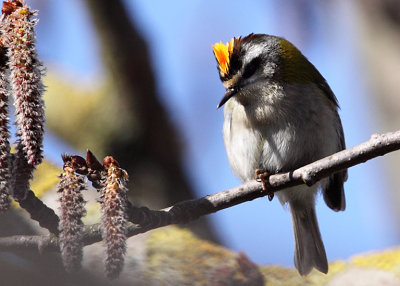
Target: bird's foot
263 177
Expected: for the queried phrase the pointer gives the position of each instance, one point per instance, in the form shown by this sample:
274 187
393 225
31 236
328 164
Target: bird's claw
263 177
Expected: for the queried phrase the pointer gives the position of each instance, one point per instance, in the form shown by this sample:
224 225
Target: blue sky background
180 35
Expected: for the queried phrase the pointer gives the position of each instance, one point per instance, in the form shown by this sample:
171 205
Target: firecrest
280 114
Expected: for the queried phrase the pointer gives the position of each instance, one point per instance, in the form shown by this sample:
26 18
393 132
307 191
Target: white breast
243 144
275 136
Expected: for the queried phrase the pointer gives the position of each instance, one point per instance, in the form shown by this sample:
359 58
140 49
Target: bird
280 114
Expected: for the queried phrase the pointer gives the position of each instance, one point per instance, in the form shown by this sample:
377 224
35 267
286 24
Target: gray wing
333 192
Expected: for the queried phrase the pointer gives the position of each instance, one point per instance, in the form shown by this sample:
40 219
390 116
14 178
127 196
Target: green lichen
176 257
385 260
45 178
83 115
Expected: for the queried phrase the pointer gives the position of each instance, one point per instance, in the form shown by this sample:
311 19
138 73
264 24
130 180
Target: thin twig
142 219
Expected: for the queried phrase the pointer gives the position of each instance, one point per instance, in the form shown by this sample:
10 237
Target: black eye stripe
251 67
235 64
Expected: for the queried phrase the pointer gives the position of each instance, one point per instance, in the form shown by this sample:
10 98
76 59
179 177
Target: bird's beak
228 94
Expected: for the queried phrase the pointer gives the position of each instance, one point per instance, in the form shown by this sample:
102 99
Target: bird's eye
251 67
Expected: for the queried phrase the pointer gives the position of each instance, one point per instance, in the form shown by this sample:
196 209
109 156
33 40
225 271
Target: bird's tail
309 248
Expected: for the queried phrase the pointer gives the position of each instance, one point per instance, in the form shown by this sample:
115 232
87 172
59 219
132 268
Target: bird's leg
263 177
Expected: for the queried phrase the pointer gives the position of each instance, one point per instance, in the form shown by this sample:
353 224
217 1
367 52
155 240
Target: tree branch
143 219
23 243
45 216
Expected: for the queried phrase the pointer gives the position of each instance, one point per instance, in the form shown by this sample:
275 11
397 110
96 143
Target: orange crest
222 53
